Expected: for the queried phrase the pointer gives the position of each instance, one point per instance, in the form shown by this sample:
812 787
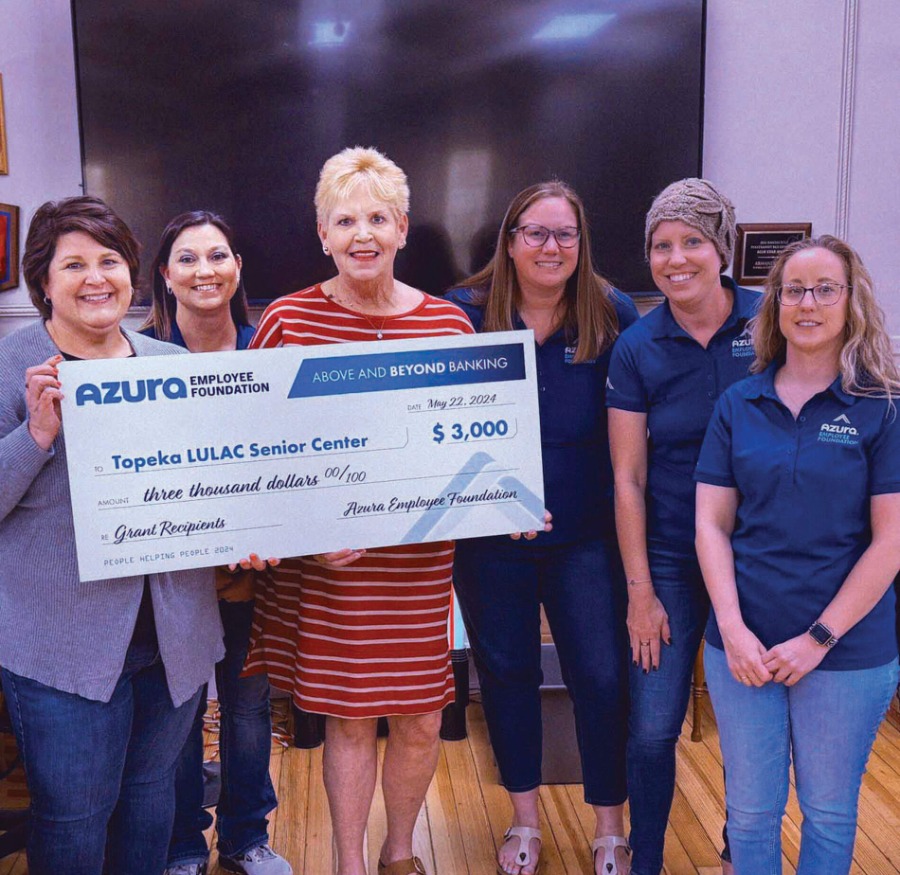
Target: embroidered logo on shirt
845 433
570 357
742 345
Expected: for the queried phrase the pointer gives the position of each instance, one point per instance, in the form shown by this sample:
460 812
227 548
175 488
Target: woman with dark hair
199 303
542 277
102 678
798 535
199 300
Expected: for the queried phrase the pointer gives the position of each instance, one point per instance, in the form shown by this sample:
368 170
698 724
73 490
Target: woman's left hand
253 561
793 659
532 533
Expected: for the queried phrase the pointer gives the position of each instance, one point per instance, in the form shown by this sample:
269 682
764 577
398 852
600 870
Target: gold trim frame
758 245
9 247
4 156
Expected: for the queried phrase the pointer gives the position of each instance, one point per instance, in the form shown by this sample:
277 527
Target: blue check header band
378 372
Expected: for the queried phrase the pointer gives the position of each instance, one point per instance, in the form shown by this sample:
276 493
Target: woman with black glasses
542 277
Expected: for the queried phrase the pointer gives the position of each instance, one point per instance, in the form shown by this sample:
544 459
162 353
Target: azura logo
846 426
132 391
839 431
742 345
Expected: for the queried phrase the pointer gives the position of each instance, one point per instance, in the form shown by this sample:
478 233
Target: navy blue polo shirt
657 368
803 518
578 484
244 335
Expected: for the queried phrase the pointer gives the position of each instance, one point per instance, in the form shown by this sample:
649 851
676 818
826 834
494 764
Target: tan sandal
524 834
410 866
608 845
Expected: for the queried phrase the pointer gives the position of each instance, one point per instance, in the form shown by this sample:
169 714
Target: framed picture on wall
9 247
758 245
4 158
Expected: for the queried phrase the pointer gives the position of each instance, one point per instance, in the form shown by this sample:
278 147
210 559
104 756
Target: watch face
821 634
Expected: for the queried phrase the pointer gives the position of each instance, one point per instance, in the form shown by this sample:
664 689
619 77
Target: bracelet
636 582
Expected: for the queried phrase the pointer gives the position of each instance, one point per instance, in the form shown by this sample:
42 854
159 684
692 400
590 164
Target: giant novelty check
192 460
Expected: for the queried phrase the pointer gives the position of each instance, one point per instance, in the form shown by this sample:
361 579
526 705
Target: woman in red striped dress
357 634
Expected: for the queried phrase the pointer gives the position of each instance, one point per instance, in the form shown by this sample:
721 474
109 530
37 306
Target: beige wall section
783 135
38 66
873 222
802 121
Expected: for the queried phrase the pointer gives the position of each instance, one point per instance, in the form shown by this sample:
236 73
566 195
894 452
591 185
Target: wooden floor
466 812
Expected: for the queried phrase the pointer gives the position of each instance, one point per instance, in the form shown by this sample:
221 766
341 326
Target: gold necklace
378 329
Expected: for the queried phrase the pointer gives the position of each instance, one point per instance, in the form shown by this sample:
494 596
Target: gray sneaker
261 860
186 869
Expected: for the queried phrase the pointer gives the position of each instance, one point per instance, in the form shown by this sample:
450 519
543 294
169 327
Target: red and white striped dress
369 639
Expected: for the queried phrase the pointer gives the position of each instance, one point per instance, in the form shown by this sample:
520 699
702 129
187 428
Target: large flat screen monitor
233 106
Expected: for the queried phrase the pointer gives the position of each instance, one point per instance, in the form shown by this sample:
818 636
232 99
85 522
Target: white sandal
608 844
524 834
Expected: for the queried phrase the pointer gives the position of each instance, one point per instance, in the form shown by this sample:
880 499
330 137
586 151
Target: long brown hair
867 361
589 312
162 310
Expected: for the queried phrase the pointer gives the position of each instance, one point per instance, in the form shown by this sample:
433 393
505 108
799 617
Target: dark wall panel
234 106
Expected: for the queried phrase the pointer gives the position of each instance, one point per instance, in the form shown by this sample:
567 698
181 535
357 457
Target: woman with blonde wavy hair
798 536
867 361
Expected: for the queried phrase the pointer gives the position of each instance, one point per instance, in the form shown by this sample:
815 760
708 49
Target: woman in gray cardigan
101 678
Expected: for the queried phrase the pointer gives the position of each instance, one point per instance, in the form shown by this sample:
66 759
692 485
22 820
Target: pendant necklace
379 330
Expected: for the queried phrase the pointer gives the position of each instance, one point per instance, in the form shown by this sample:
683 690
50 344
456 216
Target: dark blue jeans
659 701
100 774
500 585
245 742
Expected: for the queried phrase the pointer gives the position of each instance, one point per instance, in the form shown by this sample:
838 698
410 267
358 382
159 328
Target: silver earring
47 301
325 249
402 244
168 290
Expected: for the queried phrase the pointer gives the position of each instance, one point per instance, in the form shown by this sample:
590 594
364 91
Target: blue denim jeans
828 722
245 742
500 586
100 774
659 701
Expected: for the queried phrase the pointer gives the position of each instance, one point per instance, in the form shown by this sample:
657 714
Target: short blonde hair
358 165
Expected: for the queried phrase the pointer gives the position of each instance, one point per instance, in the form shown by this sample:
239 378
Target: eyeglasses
824 293
537 235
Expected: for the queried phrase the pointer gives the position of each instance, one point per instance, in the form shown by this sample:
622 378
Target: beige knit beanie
698 203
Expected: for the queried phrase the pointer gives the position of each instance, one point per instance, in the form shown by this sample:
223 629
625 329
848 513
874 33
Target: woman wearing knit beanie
666 373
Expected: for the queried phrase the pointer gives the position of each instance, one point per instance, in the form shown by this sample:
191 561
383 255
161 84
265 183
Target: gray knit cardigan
54 629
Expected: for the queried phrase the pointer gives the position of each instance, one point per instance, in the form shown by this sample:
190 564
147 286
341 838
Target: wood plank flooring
466 812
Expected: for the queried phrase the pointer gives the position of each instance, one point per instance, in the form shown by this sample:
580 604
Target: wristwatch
821 634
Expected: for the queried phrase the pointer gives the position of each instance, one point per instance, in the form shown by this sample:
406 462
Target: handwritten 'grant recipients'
166 529
407 505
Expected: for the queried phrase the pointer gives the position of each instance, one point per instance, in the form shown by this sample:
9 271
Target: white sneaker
186 869
261 860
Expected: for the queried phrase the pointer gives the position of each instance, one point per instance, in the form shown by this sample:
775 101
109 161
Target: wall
38 67
801 121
